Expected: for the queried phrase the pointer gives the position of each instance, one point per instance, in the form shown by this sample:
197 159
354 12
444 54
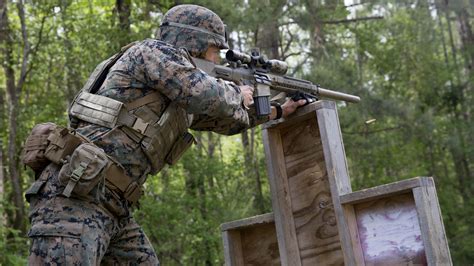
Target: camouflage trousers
71 231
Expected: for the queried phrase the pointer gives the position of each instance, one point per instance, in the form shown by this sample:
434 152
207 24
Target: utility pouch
61 144
35 146
84 170
171 139
179 147
96 109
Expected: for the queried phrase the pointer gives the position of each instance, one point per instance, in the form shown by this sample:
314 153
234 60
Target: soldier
130 125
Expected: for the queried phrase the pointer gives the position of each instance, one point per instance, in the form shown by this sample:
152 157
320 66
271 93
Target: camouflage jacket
152 65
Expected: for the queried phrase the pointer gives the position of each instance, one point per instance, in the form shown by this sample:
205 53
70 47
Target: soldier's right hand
247 93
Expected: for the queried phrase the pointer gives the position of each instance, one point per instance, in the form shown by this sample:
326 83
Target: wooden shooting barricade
318 220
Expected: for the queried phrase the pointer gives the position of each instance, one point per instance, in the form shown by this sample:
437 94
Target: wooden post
307 170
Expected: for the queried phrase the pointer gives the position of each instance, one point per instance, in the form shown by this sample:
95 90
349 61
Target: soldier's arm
170 72
226 126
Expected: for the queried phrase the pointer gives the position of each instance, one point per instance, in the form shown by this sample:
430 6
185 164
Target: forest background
411 62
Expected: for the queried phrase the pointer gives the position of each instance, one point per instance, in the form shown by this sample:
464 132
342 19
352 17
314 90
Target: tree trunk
465 31
259 200
13 92
251 169
123 11
2 188
72 75
211 148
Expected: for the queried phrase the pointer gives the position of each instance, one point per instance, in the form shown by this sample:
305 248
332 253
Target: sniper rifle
263 75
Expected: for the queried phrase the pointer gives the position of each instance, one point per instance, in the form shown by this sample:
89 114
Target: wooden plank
260 245
431 221
252 221
338 177
301 114
251 241
233 254
390 232
382 191
351 221
281 201
311 201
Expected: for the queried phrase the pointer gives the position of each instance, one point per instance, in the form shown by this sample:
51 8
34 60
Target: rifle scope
258 62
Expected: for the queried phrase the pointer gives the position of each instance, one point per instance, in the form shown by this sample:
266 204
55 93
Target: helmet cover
193 27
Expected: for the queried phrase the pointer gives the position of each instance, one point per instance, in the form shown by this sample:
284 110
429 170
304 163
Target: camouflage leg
67 231
58 250
130 247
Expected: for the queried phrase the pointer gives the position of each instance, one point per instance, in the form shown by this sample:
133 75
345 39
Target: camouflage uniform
99 228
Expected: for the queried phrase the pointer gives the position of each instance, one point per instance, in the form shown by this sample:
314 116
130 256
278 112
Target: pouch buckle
140 126
78 172
74 178
133 192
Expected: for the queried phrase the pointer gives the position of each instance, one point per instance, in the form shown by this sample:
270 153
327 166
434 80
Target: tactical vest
163 138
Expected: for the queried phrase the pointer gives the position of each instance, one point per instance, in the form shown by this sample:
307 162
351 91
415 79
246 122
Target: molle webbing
96 109
107 112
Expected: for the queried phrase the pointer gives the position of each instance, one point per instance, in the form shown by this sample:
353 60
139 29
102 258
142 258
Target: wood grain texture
281 200
260 245
431 221
251 241
251 221
233 254
338 176
390 232
354 238
311 201
383 191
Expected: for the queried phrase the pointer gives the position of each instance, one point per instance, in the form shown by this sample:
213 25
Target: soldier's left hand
290 106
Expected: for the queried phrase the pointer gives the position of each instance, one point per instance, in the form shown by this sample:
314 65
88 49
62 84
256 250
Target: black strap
108 64
278 109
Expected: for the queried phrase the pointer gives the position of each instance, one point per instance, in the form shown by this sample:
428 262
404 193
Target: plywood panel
311 202
389 231
251 241
260 245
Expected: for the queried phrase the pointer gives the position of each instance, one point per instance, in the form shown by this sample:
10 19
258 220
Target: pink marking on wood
390 232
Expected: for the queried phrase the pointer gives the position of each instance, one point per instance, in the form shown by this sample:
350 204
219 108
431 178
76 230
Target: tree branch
37 45
350 20
26 46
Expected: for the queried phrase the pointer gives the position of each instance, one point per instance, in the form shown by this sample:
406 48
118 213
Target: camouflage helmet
194 28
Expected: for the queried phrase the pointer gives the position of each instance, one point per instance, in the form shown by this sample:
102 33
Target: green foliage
410 68
13 246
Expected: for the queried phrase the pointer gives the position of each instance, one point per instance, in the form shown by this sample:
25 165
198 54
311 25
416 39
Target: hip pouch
35 146
61 143
83 170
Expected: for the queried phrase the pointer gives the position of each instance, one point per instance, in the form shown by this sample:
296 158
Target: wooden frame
251 241
414 222
318 220
308 171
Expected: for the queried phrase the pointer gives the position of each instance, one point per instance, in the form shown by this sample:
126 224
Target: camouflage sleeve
170 72
226 126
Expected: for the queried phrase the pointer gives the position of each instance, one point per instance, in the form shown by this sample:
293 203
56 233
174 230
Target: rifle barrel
337 95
